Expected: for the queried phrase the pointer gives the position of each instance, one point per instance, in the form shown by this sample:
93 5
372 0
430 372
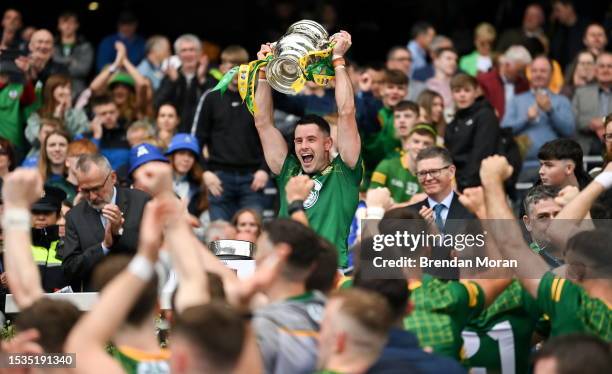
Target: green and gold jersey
499 339
135 361
395 174
441 310
331 204
381 144
571 309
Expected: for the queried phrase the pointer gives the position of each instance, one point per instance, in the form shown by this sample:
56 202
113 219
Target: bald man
41 52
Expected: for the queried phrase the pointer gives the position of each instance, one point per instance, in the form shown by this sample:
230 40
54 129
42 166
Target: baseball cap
143 153
183 141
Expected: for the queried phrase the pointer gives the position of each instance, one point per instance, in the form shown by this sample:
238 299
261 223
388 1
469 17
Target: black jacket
472 136
184 97
82 249
226 126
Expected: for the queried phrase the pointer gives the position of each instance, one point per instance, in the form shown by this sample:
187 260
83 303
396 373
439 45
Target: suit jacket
493 89
82 249
585 105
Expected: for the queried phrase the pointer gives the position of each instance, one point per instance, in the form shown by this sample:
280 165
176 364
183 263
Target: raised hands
473 200
22 188
495 169
298 188
342 44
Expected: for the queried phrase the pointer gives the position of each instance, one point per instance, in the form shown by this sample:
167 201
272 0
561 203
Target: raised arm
21 189
272 141
506 231
349 144
99 83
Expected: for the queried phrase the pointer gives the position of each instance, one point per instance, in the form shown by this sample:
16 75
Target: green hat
122 78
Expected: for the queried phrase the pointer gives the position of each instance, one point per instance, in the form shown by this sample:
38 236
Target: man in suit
436 172
593 102
106 222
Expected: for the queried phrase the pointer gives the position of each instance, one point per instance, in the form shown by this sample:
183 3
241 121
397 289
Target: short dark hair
566 149
108 269
395 49
538 193
462 80
323 276
592 249
99 100
304 242
52 318
419 28
395 291
438 52
217 332
310 119
434 152
68 14
407 105
578 353
564 2
394 76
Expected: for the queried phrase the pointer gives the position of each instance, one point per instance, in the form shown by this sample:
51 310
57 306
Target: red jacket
493 89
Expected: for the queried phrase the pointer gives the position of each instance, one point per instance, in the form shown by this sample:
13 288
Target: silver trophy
301 38
232 249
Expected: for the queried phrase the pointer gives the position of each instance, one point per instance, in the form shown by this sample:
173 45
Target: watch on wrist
294 206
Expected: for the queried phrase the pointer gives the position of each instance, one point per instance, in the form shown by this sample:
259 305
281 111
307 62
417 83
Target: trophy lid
233 249
310 28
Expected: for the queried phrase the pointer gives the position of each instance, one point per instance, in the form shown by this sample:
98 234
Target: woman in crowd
579 73
7 157
187 174
248 224
431 106
57 103
52 162
167 120
480 59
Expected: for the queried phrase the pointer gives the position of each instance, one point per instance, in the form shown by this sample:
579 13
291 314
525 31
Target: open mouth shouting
307 158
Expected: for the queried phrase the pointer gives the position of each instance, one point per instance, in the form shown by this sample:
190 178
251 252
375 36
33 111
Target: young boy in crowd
397 173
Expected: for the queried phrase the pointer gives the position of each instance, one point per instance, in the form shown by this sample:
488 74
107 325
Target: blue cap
183 141
143 153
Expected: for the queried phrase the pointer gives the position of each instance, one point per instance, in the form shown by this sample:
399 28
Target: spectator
398 173
187 172
376 124
127 24
41 61
107 221
236 171
157 51
218 230
445 67
480 60
130 91
75 150
52 163
57 103
591 103
11 30
595 39
336 181
532 27
399 58
422 34
402 350
140 155
579 73
561 164
140 132
568 32
47 125
574 353
248 222
353 331
7 158
371 80
74 51
431 110
293 315
167 121
61 222
107 134
46 239
607 140
426 72
538 116
184 86
501 84
473 134
540 208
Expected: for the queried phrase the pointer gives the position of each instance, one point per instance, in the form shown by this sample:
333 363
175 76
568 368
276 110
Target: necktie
438 211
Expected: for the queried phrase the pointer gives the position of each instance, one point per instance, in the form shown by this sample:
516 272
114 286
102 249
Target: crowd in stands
122 167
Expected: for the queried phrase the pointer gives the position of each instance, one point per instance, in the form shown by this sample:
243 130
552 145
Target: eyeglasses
95 189
435 173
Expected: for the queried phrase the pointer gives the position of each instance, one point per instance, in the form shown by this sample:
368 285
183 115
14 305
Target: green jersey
380 145
499 339
441 310
331 204
571 309
12 119
395 174
135 361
